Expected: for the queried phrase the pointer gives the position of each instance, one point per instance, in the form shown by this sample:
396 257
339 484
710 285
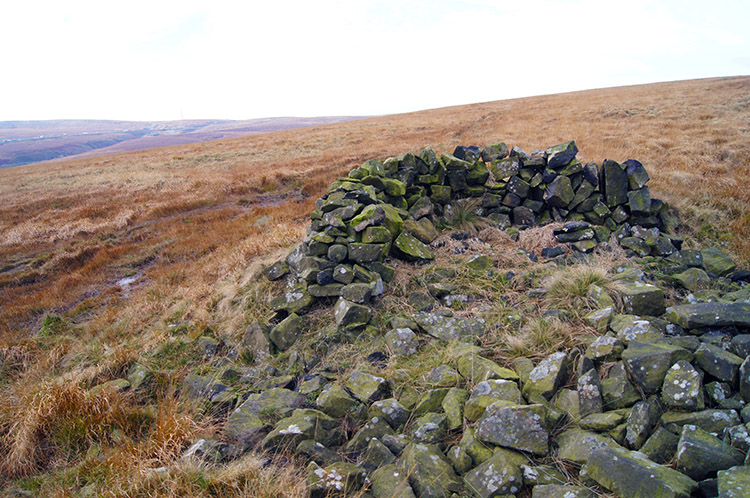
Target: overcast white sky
163 60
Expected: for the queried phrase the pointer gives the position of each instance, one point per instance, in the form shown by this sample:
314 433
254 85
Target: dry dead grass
188 222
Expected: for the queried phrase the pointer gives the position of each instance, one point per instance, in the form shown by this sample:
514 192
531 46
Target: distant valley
27 142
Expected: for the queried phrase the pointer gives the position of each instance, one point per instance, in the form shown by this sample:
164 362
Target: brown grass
189 223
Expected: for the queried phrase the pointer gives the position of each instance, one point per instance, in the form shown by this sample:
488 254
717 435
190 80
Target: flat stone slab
631 474
702 315
518 427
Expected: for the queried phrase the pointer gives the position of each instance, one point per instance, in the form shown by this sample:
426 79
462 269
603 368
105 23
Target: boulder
410 248
487 392
683 387
704 315
547 377
390 482
286 332
642 299
401 341
300 425
734 482
335 401
717 262
367 387
562 154
647 364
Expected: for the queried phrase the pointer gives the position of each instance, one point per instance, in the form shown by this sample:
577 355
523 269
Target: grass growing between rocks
193 224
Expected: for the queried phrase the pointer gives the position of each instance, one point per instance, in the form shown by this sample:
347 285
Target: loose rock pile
390 208
656 405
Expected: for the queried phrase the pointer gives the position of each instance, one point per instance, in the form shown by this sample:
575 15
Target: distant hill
26 142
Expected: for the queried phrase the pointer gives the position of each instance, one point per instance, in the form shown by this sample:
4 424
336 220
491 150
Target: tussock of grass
463 215
539 337
248 477
569 287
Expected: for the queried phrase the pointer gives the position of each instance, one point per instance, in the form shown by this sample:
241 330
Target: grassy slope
182 221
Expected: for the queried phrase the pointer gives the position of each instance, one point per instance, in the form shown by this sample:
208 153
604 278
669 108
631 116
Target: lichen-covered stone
629 473
548 376
601 422
519 427
693 279
635 328
408 247
444 376
589 394
300 425
703 315
712 421
374 428
683 387
487 392
402 341
559 193
348 314
643 418
699 454
617 390
614 183
276 271
647 364
430 473
293 301
453 406
391 410
600 319
430 428
718 362
475 369
449 328
575 445
261 409
562 154
734 482
367 387
639 298
499 475
717 262
390 482
335 401
430 401
605 348
286 332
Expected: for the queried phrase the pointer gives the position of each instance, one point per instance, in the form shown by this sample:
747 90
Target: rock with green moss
589 393
261 409
548 376
390 482
711 420
639 298
576 445
683 387
367 387
734 482
140 377
430 401
276 271
286 332
500 475
450 328
402 341
605 348
487 392
717 262
378 215
376 455
718 362
614 183
391 410
430 428
475 368
600 319
453 406
562 154
374 428
617 391
631 474
700 455
647 364
410 248
293 301
693 279
366 253
335 401
444 376
300 425
715 314
349 315
601 422
661 446
518 427
430 473
337 479
423 230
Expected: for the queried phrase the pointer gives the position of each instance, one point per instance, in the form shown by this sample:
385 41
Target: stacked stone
389 208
